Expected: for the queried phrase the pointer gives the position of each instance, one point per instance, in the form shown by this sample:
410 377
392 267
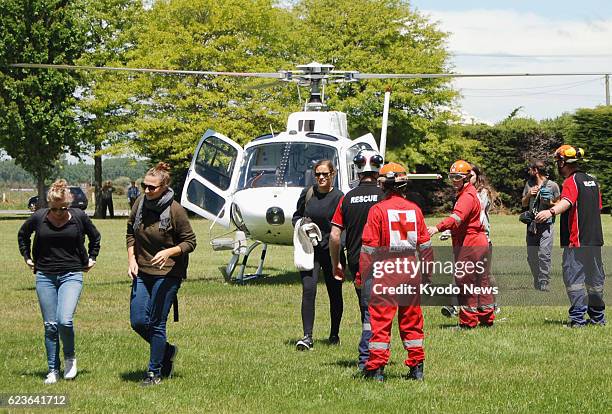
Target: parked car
79 200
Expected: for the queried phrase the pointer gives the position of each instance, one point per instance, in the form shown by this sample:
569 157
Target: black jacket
85 225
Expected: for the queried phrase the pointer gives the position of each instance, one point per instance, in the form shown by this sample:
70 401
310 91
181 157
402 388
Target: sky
537 36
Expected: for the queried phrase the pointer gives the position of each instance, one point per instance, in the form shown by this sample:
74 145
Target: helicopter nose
275 216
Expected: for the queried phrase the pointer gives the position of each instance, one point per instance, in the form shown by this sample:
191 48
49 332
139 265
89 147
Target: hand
90 265
30 264
534 190
133 269
446 234
339 272
542 216
161 258
432 230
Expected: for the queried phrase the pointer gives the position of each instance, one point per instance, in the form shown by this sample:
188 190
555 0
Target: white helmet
368 161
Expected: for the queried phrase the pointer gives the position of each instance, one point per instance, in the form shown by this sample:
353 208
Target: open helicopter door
212 177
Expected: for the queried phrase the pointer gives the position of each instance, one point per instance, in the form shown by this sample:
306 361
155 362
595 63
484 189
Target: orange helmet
392 167
460 167
568 153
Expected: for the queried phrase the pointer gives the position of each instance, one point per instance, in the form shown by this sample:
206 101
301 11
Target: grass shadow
132 376
43 374
287 278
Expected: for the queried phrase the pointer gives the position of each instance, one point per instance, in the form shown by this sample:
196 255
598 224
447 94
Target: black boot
375 374
416 373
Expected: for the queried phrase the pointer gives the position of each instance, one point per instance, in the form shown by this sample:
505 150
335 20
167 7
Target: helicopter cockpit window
215 162
350 154
283 164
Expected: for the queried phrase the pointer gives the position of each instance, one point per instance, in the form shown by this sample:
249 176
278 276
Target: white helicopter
255 189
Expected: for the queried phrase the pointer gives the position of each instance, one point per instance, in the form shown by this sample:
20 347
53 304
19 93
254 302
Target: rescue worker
350 217
395 229
470 249
581 239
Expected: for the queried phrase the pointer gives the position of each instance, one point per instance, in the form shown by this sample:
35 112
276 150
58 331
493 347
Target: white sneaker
52 377
70 371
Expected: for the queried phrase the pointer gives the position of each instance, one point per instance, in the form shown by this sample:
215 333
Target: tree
382 36
102 107
37 121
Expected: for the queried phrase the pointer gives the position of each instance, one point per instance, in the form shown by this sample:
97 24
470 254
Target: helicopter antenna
383 130
299 93
272 131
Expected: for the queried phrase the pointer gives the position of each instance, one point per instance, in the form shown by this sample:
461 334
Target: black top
354 213
59 250
320 210
581 223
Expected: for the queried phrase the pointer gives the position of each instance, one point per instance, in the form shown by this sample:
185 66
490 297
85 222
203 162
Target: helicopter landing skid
229 270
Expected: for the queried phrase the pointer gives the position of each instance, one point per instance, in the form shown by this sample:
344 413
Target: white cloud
501 41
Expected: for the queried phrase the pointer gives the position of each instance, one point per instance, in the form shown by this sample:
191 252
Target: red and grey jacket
393 224
581 223
464 222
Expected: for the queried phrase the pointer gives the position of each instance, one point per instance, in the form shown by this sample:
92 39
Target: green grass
237 346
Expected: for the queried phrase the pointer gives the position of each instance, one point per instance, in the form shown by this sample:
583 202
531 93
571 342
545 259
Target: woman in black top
320 208
59 258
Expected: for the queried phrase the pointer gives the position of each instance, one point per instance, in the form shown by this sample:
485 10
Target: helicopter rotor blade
270 75
360 76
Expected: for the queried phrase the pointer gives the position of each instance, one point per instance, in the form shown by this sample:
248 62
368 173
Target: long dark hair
483 184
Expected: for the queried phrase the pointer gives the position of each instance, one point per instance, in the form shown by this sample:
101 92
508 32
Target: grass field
237 346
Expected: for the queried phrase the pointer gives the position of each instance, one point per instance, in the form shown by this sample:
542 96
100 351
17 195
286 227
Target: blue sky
526 36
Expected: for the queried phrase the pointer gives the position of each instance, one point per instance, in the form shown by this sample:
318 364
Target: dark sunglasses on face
58 209
149 187
322 174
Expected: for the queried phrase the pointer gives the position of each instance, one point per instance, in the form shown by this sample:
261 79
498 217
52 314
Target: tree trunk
98 181
42 194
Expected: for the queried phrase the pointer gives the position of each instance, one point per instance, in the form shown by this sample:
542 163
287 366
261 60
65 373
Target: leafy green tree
383 36
37 121
102 106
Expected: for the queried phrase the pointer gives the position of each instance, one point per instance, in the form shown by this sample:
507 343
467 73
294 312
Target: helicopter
253 191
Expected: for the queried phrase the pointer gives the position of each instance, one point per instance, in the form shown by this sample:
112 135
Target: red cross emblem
403 226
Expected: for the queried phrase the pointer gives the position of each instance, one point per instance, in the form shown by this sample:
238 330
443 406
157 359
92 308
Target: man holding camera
539 194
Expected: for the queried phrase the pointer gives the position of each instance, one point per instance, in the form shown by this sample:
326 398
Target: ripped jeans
58 296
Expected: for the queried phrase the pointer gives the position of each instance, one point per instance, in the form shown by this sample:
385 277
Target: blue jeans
150 304
58 296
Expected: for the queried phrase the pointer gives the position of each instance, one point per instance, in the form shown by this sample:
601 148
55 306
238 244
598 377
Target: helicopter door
212 176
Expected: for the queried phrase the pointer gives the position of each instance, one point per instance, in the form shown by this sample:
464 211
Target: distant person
132 194
540 194
318 203
59 258
107 199
350 216
581 239
159 240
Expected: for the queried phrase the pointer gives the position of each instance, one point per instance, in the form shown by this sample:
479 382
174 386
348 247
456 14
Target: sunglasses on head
375 160
58 209
149 187
322 174
456 176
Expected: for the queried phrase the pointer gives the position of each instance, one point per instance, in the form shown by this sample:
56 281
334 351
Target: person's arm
424 245
24 240
462 208
559 208
93 237
526 196
183 234
337 225
370 241
130 242
301 205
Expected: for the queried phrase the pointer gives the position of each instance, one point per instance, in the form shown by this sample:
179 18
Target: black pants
309 293
107 203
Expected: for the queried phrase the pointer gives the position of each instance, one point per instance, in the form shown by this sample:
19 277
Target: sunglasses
456 176
322 174
58 209
149 187
375 160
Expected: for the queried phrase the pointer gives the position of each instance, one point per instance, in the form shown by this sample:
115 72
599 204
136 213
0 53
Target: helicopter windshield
283 164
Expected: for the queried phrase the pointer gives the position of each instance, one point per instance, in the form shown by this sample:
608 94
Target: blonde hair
59 192
161 170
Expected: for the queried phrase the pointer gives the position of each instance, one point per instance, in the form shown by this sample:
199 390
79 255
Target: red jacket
464 222
393 223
